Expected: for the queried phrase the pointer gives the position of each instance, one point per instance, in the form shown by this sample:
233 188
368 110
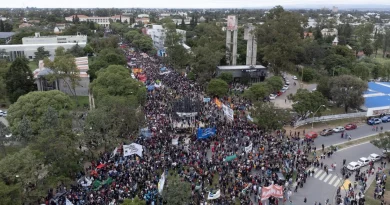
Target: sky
184 3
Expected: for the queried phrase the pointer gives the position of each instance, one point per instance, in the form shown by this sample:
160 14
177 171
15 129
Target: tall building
157 33
251 47
335 9
231 53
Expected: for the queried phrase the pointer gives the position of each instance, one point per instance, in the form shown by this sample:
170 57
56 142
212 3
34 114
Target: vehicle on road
314 89
272 96
285 87
287 82
353 166
350 126
374 121
4 113
363 161
374 157
282 90
338 129
295 77
311 135
326 132
1 113
385 118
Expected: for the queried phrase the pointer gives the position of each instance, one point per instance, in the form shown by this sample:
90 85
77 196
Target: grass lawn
83 101
33 65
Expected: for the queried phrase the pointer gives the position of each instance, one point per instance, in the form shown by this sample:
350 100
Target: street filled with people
239 159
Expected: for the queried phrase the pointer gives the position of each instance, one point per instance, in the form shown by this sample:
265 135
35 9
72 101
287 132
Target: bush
308 75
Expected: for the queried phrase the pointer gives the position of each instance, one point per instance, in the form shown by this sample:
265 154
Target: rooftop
240 67
6 34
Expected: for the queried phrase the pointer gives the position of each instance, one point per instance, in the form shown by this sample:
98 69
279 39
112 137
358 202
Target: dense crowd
272 160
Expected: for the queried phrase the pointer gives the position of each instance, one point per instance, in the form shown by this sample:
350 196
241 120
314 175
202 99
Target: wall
375 111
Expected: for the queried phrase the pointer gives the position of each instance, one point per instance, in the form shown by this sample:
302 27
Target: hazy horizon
199 4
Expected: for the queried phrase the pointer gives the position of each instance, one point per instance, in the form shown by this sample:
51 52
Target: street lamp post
312 122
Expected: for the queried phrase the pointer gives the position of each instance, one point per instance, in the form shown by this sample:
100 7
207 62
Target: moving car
363 161
311 135
295 77
350 126
326 132
338 129
374 121
374 157
353 166
272 96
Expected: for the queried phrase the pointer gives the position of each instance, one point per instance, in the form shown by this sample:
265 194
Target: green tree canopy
116 81
347 91
257 91
226 76
34 105
41 54
19 79
76 51
178 193
306 101
268 117
217 87
275 83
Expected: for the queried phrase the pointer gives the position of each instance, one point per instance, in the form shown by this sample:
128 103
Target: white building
50 43
329 32
103 21
157 33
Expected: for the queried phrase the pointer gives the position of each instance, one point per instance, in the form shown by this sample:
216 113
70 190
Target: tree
363 33
10 194
362 70
144 43
1 26
347 91
275 83
383 142
4 132
135 201
385 71
32 107
308 74
3 91
132 35
76 51
19 79
204 62
226 76
217 87
268 117
279 38
41 54
116 81
257 91
378 43
178 56
307 102
64 68
183 24
178 193
88 50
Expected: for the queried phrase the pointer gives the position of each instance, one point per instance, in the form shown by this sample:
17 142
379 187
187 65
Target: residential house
329 32
6 37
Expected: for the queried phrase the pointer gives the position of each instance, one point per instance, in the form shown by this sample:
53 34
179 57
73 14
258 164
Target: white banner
85 182
67 202
249 148
161 183
131 149
228 112
114 152
187 140
212 196
175 141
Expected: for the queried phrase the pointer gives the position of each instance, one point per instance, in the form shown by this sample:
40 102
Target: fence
329 118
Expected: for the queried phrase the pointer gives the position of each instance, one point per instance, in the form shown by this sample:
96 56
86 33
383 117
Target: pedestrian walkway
332 178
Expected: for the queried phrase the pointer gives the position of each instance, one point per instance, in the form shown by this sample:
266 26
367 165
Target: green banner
230 158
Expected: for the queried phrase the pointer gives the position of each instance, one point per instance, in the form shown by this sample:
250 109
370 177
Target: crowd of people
273 158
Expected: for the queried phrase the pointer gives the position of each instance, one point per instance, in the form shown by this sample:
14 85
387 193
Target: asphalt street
361 131
322 186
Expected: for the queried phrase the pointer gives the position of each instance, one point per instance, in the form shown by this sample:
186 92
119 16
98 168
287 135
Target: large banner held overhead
249 148
131 149
230 158
204 133
228 112
215 195
161 183
273 190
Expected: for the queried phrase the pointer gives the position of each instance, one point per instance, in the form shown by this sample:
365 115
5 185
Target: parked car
282 90
287 82
1 113
363 161
374 157
353 166
4 113
272 96
279 93
385 118
311 135
314 89
374 121
326 132
285 87
295 77
338 129
350 126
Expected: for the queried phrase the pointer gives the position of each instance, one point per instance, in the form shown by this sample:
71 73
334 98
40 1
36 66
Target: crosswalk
331 178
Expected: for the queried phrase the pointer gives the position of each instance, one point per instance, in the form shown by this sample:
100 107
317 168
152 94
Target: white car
287 82
374 157
4 113
353 166
314 89
363 161
285 87
272 97
339 129
295 77
1 113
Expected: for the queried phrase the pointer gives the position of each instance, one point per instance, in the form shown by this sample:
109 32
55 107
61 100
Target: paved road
280 100
361 131
322 186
